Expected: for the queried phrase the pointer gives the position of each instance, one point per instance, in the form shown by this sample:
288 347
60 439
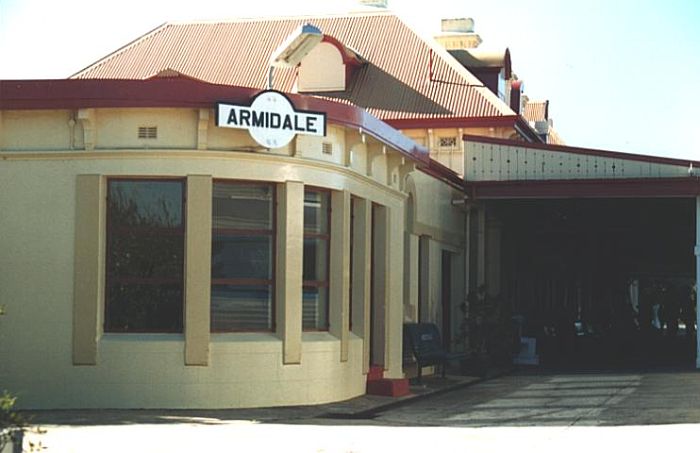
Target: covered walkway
596 252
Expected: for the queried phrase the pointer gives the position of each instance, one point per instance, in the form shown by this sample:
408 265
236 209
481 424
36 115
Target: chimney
516 91
458 34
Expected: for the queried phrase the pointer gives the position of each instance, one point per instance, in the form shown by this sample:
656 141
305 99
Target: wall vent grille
150 132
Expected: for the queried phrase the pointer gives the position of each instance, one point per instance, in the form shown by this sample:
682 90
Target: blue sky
622 75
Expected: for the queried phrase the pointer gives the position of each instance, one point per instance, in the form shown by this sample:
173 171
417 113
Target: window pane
241 257
144 308
315 308
242 206
242 249
155 204
316 212
241 308
315 259
145 254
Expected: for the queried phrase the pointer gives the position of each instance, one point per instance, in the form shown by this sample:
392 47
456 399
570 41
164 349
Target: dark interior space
601 283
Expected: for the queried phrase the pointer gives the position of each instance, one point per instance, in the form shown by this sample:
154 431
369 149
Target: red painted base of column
375 373
388 387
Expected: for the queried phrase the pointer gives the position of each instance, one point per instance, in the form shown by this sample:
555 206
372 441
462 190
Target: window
447 142
145 255
316 251
242 258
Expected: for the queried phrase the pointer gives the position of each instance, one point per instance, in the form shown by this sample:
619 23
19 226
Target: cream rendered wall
311 147
437 226
37 246
55 127
435 215
148 370
322 70
228 139
358 157
453 158
118 128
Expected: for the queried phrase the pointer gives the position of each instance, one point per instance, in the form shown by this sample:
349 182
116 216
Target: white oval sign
271 119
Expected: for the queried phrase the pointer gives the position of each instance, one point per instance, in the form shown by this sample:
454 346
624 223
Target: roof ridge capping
282 18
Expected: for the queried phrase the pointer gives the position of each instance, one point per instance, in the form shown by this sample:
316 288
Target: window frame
327 237
109 231
250 282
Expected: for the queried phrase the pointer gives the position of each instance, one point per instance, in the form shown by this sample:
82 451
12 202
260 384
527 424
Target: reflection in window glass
316 211
145 203
316 253
315 308
242 257
241 307
145 256
315 256
242 206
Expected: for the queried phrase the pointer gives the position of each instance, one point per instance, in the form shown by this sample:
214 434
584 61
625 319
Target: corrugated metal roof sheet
394 84
535 111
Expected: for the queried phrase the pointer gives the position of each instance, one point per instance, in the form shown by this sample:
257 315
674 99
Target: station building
154 258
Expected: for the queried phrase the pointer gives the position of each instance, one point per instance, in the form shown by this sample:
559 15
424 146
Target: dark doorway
570 268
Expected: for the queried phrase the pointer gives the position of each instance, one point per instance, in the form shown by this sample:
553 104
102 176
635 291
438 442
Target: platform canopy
498 169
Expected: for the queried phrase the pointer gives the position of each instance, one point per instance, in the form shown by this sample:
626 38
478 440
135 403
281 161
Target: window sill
319 336
142 337
225 337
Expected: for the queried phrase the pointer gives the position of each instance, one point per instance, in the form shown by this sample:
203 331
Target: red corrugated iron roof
535 110
394 84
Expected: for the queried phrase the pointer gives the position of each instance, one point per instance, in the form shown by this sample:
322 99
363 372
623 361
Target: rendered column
198 270
393 359
424 287
381 290
361 274
411 275
88 281
339 293
290 245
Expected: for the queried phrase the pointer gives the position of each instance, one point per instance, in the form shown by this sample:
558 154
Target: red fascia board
348 58
446 174
470 121
188 93
107 93
584 151
515 121
586 188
